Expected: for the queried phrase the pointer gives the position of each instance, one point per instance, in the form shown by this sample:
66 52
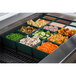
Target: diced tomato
67 29
64 30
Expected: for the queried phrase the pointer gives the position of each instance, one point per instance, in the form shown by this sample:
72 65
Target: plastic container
18 28
40 54
57 23
57 43
63 21
51 18
49 30
37 53
24 48
37 19
44 31
8 42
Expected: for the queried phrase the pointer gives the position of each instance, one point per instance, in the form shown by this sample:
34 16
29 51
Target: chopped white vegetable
30 41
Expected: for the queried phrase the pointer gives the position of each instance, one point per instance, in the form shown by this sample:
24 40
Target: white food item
73 23
70 28
30 41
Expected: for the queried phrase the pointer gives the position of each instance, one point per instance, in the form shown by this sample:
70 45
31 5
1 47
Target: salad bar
39 38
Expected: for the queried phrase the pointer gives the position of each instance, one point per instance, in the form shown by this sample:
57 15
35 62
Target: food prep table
65 52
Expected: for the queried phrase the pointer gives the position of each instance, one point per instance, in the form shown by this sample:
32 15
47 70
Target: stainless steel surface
61 53
71 58
14 18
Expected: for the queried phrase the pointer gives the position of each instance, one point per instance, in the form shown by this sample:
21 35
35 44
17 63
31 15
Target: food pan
40 54
8 42
24 48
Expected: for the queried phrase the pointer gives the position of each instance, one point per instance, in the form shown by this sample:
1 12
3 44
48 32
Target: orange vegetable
44 21
58 38
47 47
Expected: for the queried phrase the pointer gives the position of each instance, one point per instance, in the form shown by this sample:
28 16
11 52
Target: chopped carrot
47 47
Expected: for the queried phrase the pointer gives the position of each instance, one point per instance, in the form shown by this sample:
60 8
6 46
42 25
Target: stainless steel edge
67 57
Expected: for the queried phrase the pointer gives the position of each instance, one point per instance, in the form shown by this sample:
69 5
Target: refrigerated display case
64 53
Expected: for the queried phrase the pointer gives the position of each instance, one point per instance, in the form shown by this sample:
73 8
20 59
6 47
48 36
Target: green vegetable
47 35
42 34
48 32
14 36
